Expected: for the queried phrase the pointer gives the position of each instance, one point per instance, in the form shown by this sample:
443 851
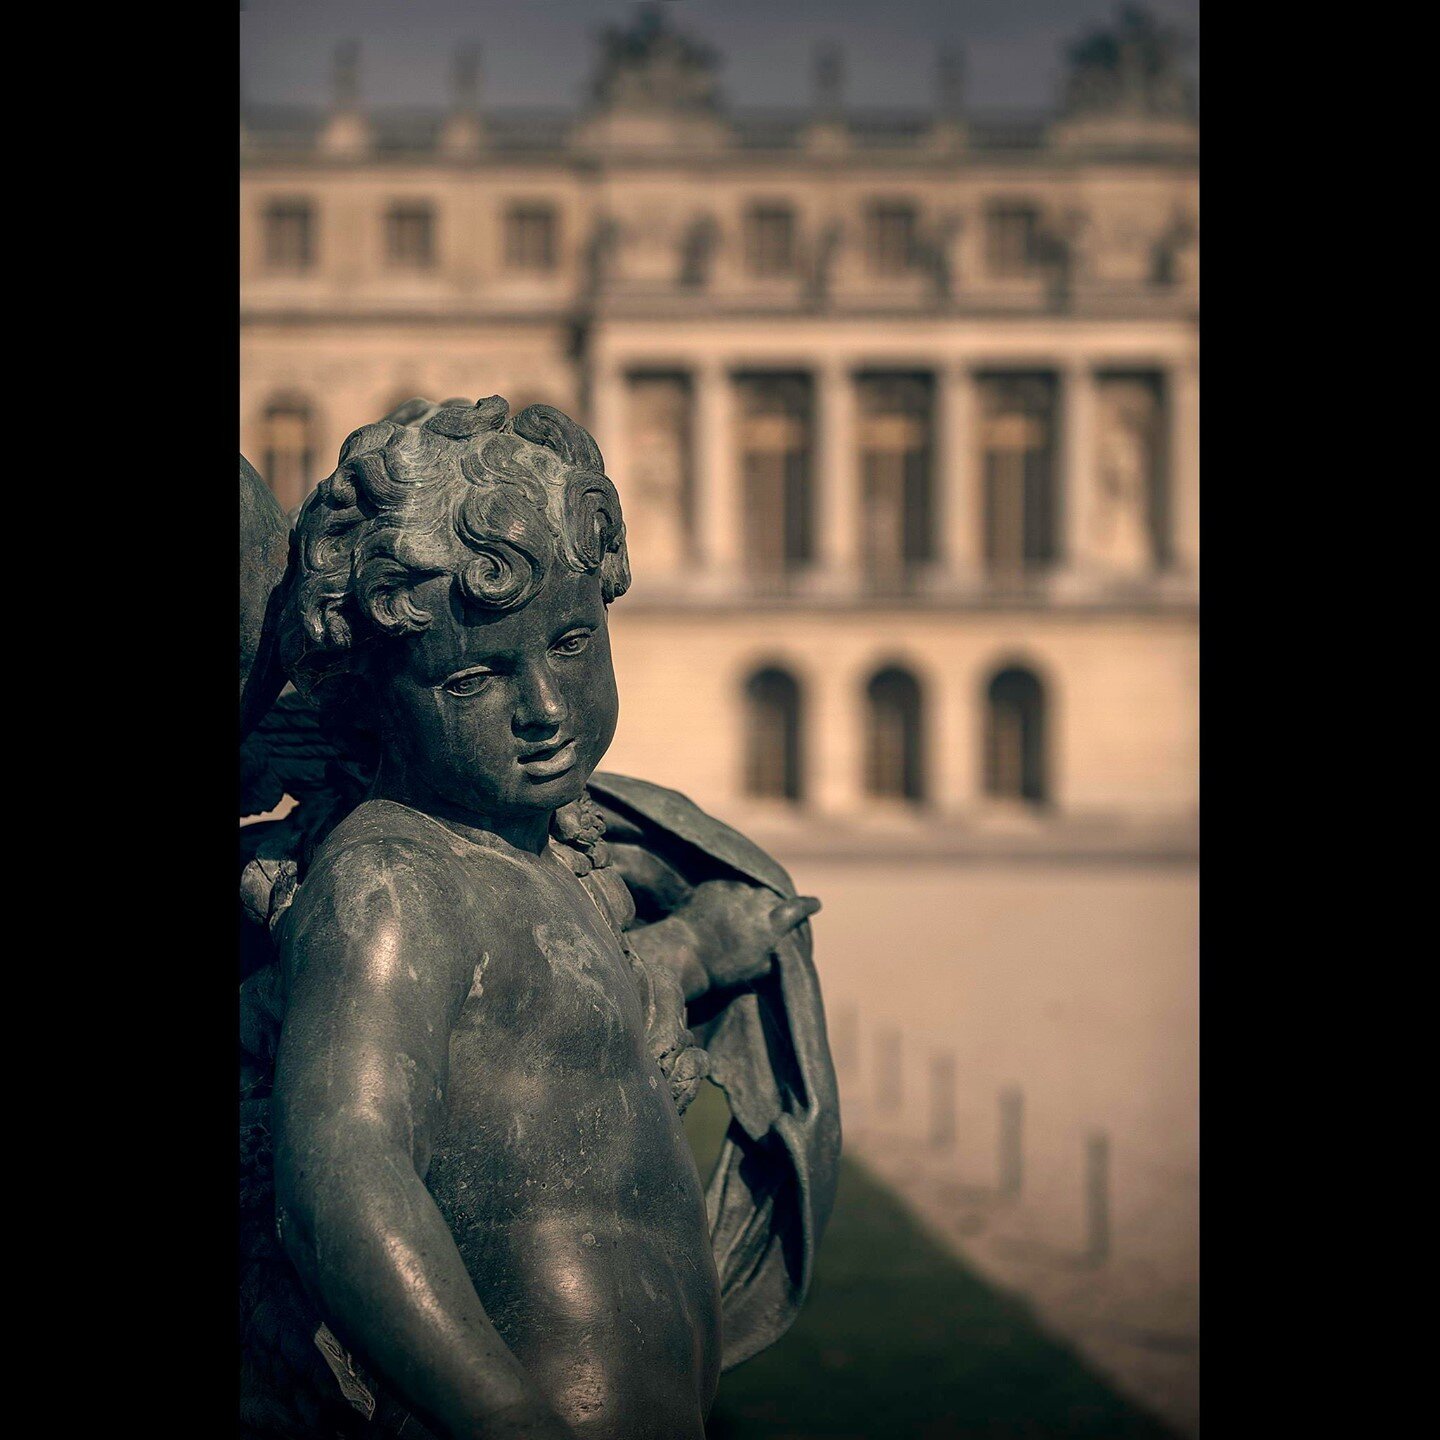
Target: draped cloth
773 1187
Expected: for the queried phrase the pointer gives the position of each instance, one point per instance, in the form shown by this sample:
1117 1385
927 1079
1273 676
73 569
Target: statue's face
505 715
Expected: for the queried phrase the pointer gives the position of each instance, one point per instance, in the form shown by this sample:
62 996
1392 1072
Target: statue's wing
283 750
264 555
774 1184
295 753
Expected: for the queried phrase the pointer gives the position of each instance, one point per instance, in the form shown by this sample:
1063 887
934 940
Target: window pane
410 237
288 235
770 241
773 736
776 427
289 451
1012 239
1015 738
1019 467
895 454
530 238
895 751
891 239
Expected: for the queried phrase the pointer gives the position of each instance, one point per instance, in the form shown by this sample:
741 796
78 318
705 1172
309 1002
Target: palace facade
902 409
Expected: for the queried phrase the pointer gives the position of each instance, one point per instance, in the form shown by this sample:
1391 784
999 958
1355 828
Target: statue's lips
552 760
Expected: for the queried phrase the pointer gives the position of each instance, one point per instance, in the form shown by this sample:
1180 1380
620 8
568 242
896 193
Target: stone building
902 407
903 411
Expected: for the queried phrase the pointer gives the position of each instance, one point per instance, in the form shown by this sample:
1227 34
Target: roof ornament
950 75
345 75
648 65
346 132
465 78
1131 67
829 80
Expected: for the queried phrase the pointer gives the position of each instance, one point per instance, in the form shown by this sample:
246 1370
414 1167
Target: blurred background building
902 407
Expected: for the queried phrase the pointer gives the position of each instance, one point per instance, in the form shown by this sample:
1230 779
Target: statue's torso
561 1166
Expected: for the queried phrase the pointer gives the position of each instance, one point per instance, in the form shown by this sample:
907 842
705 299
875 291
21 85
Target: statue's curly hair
491 499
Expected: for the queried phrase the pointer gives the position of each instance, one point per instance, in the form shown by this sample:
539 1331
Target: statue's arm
719 934
377 982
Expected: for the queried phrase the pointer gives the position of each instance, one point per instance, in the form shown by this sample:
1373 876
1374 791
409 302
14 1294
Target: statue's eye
471 682
573 643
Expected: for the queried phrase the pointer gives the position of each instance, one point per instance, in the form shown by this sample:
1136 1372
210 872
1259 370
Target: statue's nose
541 706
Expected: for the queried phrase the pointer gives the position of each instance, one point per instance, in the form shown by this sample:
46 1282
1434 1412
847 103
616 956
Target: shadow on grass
899 1340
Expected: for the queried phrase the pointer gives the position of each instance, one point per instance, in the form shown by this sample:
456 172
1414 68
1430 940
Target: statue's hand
737 926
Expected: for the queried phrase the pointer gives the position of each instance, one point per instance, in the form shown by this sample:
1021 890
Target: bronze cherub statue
482 981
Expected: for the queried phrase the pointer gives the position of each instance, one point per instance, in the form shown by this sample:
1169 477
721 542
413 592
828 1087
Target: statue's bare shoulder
391 879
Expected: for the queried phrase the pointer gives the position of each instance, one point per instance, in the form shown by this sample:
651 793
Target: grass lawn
898 1340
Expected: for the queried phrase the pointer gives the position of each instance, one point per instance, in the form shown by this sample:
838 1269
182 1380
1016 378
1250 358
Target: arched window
894 760
772 736
1015 737
290 450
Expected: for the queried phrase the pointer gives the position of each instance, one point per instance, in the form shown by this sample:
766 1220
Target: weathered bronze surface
481 982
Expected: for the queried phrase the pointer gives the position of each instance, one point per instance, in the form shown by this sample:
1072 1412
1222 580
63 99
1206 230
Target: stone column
1182 385
719 522
609 420
836 717
837 475
957 473
1077 466
957 736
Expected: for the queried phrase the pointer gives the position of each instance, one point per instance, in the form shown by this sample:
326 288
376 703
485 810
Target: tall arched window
290 450
772 736
894 760
1015 737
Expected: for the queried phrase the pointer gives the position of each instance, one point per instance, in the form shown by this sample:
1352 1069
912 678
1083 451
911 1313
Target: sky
541 52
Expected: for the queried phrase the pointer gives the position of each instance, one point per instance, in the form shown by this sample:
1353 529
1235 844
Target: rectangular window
530 231
1012 240
659 517
775 447
895 463
410 236
770 240
891 238
289 235
289 451
1019 468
